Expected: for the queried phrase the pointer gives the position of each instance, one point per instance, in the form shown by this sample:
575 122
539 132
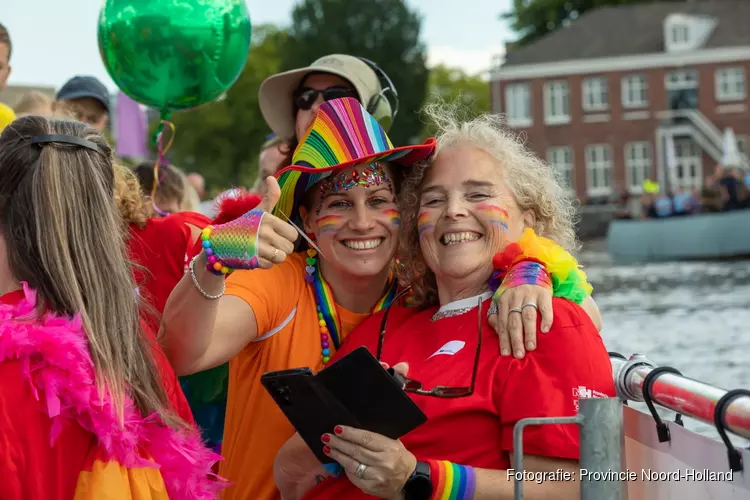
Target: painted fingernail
325 438
530 345
519 353
326 450
338 430
505 352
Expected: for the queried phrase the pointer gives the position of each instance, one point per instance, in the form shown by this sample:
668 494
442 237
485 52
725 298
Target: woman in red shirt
480 195
84 411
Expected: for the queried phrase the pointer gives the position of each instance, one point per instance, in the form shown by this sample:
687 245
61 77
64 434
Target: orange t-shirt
288 337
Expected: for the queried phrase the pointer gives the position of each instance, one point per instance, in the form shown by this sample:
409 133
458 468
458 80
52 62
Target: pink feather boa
53 352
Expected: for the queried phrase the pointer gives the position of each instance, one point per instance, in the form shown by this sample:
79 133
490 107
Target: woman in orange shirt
84 411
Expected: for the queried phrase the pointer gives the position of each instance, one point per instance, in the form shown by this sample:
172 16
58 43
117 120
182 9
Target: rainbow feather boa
53 352
568 278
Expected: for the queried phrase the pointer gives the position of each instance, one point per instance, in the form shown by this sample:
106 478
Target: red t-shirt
478 430
164 247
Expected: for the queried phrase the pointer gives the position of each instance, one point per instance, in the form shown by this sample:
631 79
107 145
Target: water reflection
692 316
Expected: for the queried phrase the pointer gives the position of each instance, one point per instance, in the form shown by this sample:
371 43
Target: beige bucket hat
275 94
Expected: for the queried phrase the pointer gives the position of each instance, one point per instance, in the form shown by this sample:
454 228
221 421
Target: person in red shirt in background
482 193
160 249
84 409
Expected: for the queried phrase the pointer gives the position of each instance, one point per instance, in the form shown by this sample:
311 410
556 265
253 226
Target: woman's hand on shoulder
516 318
377 465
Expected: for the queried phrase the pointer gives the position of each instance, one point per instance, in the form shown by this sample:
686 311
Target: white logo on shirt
582 392
450 348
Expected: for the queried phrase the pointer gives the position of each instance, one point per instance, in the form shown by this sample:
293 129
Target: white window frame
602 166
560 158
640 92
687 162
681 80
742 144
677 29
595 94
518 104
731 77
556 102
639 161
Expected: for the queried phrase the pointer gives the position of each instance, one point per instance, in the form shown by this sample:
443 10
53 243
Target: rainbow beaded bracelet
233 245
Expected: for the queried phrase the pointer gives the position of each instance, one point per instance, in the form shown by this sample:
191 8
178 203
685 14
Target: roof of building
633 29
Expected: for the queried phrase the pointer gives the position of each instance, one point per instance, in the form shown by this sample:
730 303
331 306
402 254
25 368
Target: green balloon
174 54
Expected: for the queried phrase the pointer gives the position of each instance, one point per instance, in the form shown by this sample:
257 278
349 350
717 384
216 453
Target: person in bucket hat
290 100
280 308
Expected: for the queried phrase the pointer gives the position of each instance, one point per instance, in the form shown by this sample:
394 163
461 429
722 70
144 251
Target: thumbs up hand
273 193
257 239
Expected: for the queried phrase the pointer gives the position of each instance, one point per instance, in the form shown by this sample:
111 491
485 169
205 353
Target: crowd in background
725 190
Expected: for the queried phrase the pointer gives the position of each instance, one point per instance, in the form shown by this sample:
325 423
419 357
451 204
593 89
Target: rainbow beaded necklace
328 317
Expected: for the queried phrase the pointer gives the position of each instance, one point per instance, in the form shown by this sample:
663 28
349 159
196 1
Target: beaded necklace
328 317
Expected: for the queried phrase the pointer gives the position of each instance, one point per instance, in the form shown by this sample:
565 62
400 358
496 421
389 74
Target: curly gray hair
535 186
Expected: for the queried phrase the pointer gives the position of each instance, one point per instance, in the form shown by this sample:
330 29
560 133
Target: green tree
384 31
451 85
532 19
221 140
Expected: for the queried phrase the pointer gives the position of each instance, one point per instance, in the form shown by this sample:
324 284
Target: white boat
709 236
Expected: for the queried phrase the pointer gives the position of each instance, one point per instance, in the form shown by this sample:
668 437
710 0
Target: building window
680 34
518 104
595 94
730 84
687 173
556 102
682 89
598 170
742 144
637 164
561 160
634 91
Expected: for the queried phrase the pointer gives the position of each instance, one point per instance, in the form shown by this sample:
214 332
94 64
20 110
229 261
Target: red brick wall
617 131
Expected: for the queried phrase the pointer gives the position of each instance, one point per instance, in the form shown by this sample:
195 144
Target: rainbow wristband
526 272
451 481
233 245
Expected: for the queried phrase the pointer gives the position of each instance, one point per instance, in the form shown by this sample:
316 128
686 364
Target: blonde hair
535 186
65 239
34 103
134 208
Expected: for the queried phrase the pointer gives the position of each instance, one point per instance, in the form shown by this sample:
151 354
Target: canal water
693 316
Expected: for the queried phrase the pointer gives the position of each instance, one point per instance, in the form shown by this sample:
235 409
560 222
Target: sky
56 39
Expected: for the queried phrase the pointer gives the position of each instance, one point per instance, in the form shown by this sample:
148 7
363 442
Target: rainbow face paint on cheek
424 225
329 223
394 216
493 214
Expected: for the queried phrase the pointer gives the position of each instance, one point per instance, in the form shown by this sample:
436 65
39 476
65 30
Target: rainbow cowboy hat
342 135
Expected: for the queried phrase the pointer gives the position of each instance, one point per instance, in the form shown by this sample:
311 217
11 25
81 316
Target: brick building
601 98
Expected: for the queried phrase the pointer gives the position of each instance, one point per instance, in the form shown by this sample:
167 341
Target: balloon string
161 151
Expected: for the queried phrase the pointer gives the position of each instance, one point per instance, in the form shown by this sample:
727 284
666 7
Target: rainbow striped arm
233 245
451 481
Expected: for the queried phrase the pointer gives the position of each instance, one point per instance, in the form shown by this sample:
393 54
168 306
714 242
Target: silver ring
360 471
530 304
516 310
275 252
